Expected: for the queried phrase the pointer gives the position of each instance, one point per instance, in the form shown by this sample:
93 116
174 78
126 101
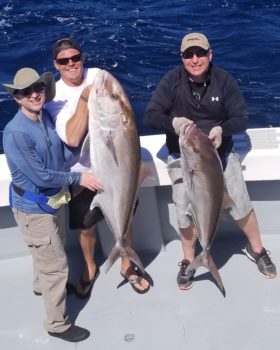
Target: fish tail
123 251
112 258
215 273
131 254
206 260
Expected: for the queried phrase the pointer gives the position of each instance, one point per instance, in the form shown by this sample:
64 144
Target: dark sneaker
73 334
263 261
185 280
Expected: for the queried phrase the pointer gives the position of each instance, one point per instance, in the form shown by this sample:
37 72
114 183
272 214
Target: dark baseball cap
65 44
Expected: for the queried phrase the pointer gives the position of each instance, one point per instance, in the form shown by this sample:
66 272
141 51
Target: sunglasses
65 60
199 53
39 87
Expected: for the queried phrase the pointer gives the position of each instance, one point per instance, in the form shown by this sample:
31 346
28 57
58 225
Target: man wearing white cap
211 98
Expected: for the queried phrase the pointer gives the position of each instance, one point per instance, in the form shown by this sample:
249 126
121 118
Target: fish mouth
188 129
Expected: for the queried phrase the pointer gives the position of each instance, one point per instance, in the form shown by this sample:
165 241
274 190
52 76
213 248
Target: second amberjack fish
203 177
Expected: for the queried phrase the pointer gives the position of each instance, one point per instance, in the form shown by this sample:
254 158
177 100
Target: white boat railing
259 151
155 224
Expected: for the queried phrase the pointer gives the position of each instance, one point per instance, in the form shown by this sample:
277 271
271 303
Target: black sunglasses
38 87
199 53
65 60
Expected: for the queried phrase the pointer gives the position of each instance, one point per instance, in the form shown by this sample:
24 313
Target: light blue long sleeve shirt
35 156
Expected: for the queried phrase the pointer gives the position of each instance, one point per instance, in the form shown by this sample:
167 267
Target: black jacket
218 101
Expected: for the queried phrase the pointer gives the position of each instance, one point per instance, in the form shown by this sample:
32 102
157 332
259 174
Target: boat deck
165 318
248 317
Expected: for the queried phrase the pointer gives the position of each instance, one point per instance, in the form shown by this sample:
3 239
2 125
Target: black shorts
79 205
80 215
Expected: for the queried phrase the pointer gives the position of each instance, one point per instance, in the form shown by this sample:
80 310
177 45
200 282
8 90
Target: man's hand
215 135
177 122
89 181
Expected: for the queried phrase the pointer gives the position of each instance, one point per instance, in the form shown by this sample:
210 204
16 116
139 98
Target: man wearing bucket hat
211 98
70 111
36 159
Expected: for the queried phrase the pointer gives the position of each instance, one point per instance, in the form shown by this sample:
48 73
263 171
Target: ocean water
138 41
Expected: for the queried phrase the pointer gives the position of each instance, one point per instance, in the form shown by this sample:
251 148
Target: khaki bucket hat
26 77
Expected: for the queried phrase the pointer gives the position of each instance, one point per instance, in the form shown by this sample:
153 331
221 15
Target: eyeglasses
39 87
65 60
199 53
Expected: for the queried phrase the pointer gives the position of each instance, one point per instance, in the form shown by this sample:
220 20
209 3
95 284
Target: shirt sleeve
61 113
61 120
158 112
236 108
29 163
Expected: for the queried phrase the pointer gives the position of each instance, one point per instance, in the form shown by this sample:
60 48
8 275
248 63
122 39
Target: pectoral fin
227 201
145 173
85 152
190 213
109 141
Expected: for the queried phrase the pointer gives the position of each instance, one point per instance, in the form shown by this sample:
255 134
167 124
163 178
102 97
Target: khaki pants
43 234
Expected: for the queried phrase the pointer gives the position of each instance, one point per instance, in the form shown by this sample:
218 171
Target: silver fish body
115 159
203 176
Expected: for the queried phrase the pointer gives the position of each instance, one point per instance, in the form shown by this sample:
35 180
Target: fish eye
115 96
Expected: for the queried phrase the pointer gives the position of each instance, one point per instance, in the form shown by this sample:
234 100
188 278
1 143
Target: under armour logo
215 99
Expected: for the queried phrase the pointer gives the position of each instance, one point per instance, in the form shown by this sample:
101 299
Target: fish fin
92 217
126 251
144 173
191 174
95 202
131 254
189 211
109 141
112 258
215 273
206 260
86 145
191 215
227 201
95 213
84 158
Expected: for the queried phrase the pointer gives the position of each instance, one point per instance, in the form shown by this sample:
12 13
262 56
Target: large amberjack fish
115 159
203 176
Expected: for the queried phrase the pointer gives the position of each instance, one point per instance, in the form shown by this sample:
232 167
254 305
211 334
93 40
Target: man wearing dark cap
211 98
36 159
70 112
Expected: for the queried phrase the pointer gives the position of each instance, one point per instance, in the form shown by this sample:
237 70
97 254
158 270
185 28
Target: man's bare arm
77 125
